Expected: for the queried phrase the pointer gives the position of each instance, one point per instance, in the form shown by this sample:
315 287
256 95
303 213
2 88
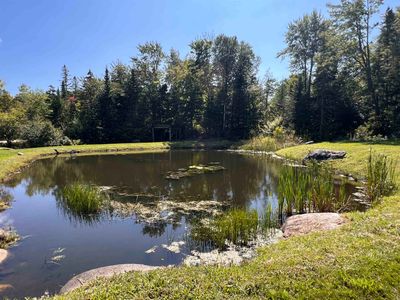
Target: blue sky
38 37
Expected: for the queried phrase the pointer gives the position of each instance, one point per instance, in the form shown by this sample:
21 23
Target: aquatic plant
237 226
82 199
310 189
381 176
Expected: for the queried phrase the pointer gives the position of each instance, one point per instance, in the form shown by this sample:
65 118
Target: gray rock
306 223
104 272
322 154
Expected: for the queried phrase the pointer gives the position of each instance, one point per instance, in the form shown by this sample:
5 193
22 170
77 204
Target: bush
43 133
365 134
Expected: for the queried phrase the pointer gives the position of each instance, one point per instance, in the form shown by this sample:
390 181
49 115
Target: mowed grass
361 260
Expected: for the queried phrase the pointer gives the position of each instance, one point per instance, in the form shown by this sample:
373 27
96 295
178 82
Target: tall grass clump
381 176
310 189
261 143
293 190
237 226
83 199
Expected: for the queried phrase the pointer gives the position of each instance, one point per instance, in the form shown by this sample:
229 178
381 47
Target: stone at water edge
3 255
103 272
323 154
303 224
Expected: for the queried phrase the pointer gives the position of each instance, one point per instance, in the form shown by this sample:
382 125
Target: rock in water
303 224
322 154
3 255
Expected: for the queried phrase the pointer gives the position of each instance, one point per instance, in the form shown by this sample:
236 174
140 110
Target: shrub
43 133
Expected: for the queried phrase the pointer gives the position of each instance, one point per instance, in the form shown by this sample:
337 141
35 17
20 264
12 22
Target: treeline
345 82
212 92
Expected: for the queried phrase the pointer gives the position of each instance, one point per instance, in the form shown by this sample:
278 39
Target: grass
268 144
83 199
311 189
381 176
361 260
237 226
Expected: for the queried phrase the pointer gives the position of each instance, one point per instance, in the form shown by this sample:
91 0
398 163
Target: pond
57 243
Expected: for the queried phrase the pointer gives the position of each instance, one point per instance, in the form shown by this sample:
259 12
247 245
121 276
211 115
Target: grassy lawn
361 260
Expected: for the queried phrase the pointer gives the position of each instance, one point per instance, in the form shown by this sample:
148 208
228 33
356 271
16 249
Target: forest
344 84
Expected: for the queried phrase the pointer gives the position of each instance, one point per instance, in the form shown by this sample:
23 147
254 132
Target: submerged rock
103 272
303 224
322 154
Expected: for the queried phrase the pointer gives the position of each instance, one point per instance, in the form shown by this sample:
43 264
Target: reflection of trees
155 229
246 178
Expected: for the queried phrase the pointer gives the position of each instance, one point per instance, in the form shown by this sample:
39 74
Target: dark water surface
47 229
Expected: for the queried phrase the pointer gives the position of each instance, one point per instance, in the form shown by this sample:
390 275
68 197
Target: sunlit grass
237 226
310 189
381 176
83 199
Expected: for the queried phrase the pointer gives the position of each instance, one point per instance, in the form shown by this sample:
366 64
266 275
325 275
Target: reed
83 199
381 176
238 226
311 189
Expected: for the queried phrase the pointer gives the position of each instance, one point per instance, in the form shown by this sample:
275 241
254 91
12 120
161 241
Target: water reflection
246 178
109 236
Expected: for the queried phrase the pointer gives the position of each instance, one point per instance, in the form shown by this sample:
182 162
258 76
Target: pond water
57 245
150 205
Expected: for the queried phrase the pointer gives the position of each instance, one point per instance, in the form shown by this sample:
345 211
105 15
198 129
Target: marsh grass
381 176
83 201
311 189
261 144
238 226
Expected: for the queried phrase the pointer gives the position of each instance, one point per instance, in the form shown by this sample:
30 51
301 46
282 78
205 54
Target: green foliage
381 176
42 133
237 226
82 200
310 189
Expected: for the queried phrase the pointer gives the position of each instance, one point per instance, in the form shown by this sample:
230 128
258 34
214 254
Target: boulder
3 255
306 223
322 154
104 272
